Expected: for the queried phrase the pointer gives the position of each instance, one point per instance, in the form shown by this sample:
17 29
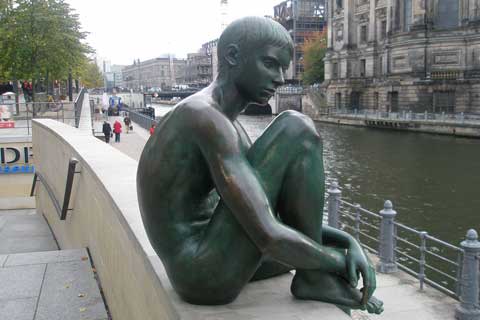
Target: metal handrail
359 221
78 106
61 211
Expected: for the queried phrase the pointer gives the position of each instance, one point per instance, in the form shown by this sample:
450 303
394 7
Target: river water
432 180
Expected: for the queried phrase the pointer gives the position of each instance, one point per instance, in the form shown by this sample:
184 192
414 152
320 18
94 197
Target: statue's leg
289 154
224 249
288 160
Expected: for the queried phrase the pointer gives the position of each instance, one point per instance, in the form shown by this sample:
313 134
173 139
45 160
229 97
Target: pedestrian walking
128 123
117 129
107 131
152 129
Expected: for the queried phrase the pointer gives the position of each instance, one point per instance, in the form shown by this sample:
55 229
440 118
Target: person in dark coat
107 131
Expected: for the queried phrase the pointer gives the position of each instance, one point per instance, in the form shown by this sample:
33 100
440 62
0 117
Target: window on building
393 101
335 70
338 100
444 101
363 67
363 34
355 100
407 14
383 30
380 66
339 4
447 14
375 100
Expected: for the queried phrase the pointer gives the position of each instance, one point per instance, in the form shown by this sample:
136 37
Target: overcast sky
122 31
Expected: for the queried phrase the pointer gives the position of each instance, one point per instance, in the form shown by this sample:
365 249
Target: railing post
422 262
386 250
469 308
334 196
357 222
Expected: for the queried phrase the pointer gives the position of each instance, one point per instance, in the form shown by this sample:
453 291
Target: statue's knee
299 126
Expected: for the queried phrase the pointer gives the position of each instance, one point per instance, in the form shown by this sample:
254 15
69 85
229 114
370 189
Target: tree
91 75
314 50
41 39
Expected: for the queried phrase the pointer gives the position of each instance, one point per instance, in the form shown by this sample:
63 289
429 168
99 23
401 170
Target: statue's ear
232 55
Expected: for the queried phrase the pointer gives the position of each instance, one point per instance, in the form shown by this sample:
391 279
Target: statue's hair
251 33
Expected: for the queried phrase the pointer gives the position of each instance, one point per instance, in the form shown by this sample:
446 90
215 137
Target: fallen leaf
82 309
81 295
84 258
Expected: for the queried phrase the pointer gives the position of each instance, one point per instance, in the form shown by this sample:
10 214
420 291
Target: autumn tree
314 49
41 39
91 75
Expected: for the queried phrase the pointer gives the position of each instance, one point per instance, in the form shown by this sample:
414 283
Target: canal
433 181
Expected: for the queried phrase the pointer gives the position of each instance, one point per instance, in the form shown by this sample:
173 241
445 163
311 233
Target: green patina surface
221 211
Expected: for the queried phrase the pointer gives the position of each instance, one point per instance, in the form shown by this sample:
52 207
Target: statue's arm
239 187
357 260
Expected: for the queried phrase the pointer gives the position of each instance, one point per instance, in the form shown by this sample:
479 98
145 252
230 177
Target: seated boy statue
221 211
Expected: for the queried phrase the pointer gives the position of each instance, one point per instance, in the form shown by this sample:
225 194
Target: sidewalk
40 282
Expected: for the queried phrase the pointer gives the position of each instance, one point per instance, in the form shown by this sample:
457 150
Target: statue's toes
375 305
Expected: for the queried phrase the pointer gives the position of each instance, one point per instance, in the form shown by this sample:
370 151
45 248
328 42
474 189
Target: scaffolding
303 19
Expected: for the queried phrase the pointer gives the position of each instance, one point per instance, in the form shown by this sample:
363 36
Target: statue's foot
332 289
374 305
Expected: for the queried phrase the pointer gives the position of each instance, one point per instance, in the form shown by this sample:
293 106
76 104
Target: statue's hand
359 263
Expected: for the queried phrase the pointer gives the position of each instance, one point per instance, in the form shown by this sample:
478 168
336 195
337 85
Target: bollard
469 308
334 196
386 249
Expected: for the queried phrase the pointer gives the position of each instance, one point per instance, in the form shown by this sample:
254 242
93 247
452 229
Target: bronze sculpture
221 211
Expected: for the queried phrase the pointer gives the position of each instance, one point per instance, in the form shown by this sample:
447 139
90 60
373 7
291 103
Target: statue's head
255 52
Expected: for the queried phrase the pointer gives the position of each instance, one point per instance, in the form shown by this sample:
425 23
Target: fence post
334 196
469 308
422 262
386 250
357 222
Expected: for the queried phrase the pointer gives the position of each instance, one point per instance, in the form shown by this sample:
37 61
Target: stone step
52 285
24 231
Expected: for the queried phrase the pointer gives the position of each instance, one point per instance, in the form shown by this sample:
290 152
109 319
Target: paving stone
45 257
26 244
70 292
18 309
18 212
3 258
21 282
25 226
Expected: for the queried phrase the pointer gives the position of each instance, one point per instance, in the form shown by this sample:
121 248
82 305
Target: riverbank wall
453 128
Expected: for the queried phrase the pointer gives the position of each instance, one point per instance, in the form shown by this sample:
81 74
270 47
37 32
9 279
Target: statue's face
261 72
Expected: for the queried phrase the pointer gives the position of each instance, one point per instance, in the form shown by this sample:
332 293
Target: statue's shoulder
197 108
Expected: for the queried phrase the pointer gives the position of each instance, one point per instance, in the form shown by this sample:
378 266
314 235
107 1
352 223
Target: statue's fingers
352 274
365 295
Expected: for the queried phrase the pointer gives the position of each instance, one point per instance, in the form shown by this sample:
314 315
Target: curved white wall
105 218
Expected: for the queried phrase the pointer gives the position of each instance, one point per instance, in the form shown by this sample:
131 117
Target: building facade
198 71
303 19
404 55
163 72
